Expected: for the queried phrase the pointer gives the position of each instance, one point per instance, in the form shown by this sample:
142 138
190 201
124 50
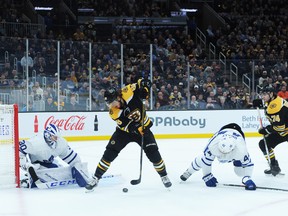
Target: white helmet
51 130
227 143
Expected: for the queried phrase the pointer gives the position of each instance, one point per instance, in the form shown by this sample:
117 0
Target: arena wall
77 126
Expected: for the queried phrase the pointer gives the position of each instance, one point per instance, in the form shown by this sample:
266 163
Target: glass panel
12 81
182 75
42 68
106 72
74 75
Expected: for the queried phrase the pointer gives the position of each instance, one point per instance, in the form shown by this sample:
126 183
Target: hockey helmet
268 89
227 143
110 95
50 134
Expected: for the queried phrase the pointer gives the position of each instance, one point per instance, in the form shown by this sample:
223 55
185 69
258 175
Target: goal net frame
9 140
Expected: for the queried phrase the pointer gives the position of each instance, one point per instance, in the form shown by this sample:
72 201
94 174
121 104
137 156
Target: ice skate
274 169
166 181
185 175
92 184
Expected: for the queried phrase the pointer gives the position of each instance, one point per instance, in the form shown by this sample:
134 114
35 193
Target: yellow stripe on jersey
281 129
115 113
146 121
275 105
128 92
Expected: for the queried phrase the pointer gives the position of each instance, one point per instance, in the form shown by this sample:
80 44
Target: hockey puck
125 190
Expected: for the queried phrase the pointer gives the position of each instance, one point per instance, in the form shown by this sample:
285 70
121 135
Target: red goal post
9 146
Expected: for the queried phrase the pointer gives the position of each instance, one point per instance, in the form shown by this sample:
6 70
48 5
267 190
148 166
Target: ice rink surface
150 197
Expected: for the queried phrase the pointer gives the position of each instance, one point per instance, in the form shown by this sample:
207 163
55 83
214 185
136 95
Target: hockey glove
210 180
249 184
265 130
257 103
136 128
144 89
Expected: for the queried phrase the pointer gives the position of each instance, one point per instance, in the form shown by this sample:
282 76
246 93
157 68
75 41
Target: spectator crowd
183 76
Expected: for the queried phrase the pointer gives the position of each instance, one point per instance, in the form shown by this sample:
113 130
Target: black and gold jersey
132 109
276 112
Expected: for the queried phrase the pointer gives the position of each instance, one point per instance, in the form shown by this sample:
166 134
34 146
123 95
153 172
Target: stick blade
135 181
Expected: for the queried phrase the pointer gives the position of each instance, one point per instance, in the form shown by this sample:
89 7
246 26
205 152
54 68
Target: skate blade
89 191
279 175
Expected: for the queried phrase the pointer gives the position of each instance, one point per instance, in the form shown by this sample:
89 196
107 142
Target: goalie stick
257 187
137 181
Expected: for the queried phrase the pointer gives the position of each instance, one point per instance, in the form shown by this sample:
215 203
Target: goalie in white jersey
39 153
227 145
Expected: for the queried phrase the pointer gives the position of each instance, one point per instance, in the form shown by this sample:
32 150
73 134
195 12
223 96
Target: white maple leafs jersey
39 151
211 151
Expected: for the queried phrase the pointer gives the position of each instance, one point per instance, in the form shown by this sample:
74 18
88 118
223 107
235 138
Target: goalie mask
227 143
51 134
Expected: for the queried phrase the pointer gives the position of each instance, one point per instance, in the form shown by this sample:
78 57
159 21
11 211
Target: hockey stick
265 142
137 181
257 187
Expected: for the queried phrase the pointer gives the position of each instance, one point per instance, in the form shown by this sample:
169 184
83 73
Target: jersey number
135 115
275 118
22 145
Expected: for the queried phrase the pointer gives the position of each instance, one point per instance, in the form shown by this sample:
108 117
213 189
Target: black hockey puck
125 190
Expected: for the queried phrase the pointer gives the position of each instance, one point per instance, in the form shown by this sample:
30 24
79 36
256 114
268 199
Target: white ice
150 197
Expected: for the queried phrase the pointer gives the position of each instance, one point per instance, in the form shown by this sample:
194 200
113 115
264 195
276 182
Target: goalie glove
265 130
23 161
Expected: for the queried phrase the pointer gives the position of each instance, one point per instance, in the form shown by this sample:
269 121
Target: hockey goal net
9 146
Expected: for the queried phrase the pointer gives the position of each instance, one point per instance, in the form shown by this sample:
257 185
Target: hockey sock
160 168
102 167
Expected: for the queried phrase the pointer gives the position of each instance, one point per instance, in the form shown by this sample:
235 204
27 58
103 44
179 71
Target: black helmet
110 95
268 89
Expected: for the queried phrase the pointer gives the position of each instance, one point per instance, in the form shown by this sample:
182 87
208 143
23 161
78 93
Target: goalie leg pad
80 175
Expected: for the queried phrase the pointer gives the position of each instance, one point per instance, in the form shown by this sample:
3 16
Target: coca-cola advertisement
76 126
73 122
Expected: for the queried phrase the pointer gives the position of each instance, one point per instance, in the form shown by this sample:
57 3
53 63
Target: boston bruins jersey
132 109
277 113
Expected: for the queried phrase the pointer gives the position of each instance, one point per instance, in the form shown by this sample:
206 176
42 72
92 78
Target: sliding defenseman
227 145
37 158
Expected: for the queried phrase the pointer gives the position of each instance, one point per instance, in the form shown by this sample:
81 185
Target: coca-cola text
74 122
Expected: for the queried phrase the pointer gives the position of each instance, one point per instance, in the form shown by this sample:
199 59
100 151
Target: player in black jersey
126 109
276 111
